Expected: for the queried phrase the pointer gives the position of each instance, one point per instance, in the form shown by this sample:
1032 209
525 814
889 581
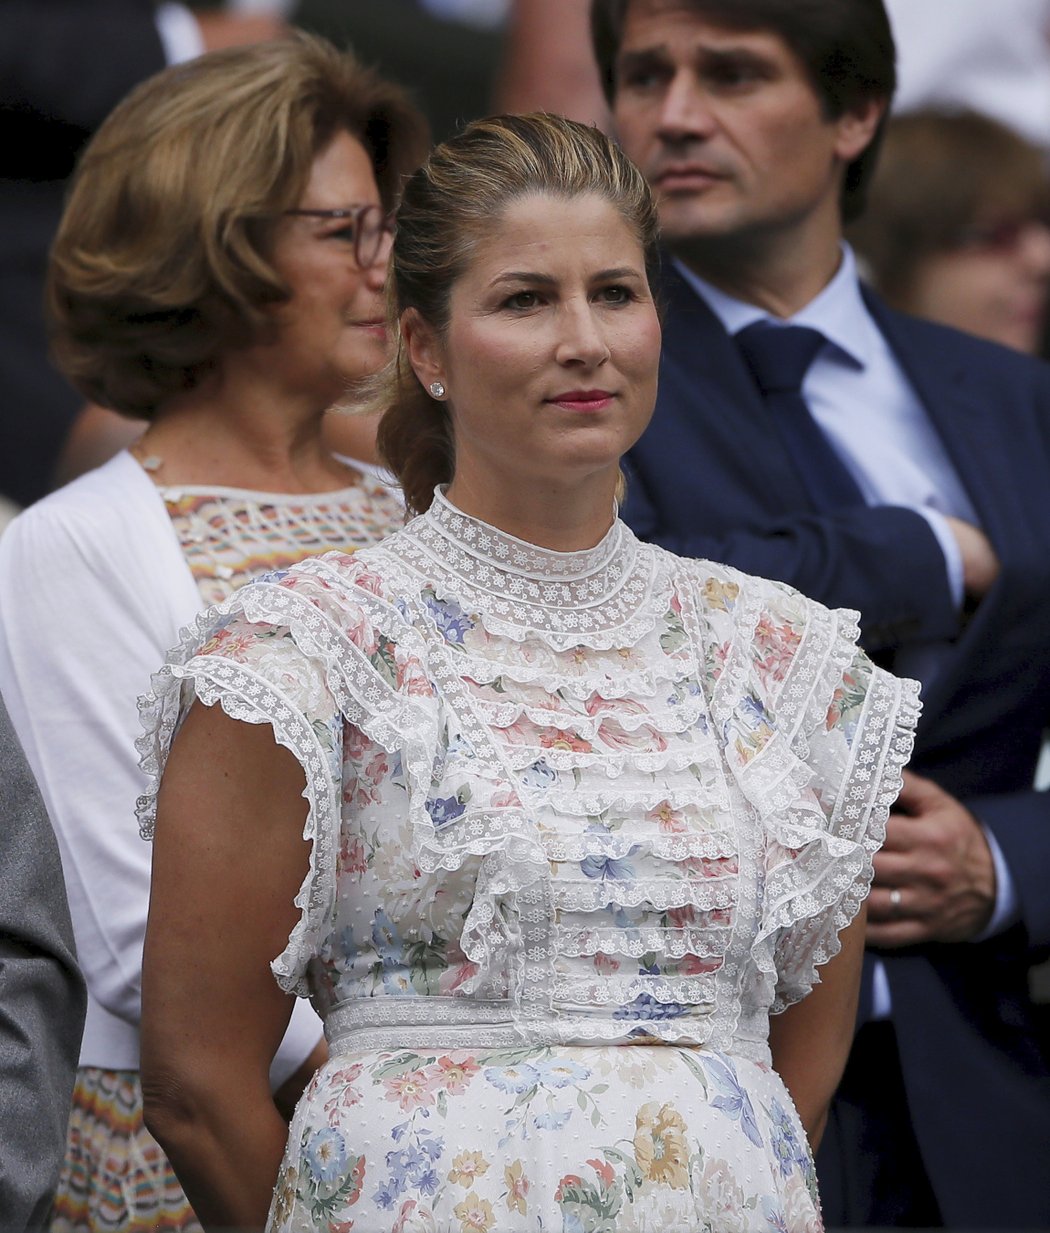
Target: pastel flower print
452 622
445 810
467 1167
569 741
475 1214
411 1090
538 776
604 867
721 595
669 820
513 1078
559 1074
454 1075
660 1145
413 1218
326 1155
517 1188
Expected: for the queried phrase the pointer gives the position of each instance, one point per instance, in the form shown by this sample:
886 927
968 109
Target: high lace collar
519 588
488 545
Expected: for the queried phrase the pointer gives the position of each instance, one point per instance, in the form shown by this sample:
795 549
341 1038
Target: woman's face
551 352
331 332
995 287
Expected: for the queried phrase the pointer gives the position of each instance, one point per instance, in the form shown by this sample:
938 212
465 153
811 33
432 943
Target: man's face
727 127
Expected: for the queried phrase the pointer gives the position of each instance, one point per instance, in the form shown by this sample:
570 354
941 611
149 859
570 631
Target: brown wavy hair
162 261
456 199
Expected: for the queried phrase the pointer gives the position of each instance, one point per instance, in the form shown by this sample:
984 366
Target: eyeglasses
1001 235
368 224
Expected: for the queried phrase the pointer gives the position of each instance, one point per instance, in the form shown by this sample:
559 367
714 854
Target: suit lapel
992 466
709 392
968 427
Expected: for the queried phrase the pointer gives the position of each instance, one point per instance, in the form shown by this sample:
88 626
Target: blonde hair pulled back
453 202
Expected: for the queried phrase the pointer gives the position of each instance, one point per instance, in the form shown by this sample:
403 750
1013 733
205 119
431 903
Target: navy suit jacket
708 480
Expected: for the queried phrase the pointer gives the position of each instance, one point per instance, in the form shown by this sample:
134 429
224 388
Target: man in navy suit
905 473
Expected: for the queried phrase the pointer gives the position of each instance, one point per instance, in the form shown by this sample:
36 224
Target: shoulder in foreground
341 575
718 582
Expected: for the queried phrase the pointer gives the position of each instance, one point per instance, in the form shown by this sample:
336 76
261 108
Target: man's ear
857 127
423 348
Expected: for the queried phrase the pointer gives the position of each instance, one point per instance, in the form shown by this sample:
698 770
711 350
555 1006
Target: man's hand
934 878
979 562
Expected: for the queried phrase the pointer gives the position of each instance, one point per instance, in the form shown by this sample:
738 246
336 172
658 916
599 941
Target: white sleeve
81 630
93 592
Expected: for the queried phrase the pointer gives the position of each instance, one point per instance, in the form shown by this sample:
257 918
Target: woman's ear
423 348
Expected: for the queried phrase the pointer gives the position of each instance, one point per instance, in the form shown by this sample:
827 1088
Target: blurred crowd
956 230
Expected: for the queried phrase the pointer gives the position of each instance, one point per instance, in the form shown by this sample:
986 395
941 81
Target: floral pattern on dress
643 1164
581 823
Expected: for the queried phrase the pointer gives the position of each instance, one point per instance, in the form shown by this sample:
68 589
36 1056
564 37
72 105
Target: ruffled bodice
584 797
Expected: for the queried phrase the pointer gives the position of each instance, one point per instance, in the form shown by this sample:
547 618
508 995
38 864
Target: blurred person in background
64 64
219 271
957 226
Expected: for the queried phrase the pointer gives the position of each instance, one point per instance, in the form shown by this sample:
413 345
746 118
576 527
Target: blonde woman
219 271
546 821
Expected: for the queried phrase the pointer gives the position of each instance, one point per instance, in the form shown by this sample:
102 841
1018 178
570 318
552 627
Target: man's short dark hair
846 47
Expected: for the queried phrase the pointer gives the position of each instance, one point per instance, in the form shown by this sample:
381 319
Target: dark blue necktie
779 357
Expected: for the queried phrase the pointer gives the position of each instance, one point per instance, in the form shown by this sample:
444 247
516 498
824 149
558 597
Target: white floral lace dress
580 822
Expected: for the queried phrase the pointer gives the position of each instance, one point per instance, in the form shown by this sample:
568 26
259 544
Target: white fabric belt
386 1022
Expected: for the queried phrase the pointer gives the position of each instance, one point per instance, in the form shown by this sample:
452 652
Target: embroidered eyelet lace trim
513 925
599 598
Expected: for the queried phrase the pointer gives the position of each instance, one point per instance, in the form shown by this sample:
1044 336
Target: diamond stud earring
437 389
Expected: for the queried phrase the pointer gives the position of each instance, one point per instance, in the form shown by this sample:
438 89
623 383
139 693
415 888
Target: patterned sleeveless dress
581 822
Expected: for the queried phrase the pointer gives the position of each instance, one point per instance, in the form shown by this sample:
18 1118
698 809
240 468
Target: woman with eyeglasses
957 226
219 271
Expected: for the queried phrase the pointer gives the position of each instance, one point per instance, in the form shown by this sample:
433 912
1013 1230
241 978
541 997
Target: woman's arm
811 1040
228 861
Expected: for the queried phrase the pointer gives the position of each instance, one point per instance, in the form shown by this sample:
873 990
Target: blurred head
520 277
177 246
747 115
958 226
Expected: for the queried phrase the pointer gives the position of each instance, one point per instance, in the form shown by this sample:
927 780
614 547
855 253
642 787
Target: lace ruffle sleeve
309 651
816 737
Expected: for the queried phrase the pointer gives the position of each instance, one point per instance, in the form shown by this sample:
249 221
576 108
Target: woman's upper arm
810 1040
229 859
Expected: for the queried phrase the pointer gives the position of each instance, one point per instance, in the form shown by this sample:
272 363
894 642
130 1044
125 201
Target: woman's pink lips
583 400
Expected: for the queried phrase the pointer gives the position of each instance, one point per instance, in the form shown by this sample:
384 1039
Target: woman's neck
241 437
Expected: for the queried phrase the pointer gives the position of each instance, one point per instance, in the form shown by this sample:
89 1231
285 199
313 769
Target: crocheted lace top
598 796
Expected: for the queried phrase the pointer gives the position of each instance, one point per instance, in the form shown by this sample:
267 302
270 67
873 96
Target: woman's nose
582 339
